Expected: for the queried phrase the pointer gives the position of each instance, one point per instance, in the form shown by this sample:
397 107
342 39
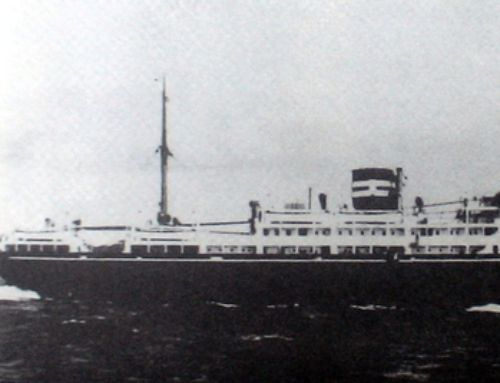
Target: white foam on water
372 307
223 305
278 306
258 338
15 294
488 308
407 376
74 321
429 366
315 315
12 363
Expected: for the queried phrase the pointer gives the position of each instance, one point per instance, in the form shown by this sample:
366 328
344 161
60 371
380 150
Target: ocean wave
13 293
283 306
488 308
372 307
258 338
74 321
278 306
407 375
429 366
315 315
223 305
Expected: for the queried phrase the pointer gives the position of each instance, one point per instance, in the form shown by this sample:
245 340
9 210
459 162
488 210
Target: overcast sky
267 98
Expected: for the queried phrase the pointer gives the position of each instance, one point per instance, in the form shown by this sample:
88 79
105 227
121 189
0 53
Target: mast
163 217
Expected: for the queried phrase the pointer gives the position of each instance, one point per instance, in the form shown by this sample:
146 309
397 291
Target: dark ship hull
377 282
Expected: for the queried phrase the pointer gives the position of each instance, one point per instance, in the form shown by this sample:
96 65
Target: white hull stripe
369 193
371 188
374 183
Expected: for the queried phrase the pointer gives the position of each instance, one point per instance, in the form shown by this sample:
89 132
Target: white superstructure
462 229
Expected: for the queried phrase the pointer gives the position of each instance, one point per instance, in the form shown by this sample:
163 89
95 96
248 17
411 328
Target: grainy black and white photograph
249 191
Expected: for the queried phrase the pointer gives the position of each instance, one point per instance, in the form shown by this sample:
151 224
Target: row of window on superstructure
461 250
304 231
35 249
429 232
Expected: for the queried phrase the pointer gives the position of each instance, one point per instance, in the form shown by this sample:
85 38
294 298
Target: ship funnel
376 189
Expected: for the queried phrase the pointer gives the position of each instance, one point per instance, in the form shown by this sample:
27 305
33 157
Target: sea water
69 339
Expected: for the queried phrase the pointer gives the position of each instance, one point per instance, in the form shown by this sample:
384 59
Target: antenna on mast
163 216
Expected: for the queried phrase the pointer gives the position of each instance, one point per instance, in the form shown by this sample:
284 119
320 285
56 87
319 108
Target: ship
372 243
